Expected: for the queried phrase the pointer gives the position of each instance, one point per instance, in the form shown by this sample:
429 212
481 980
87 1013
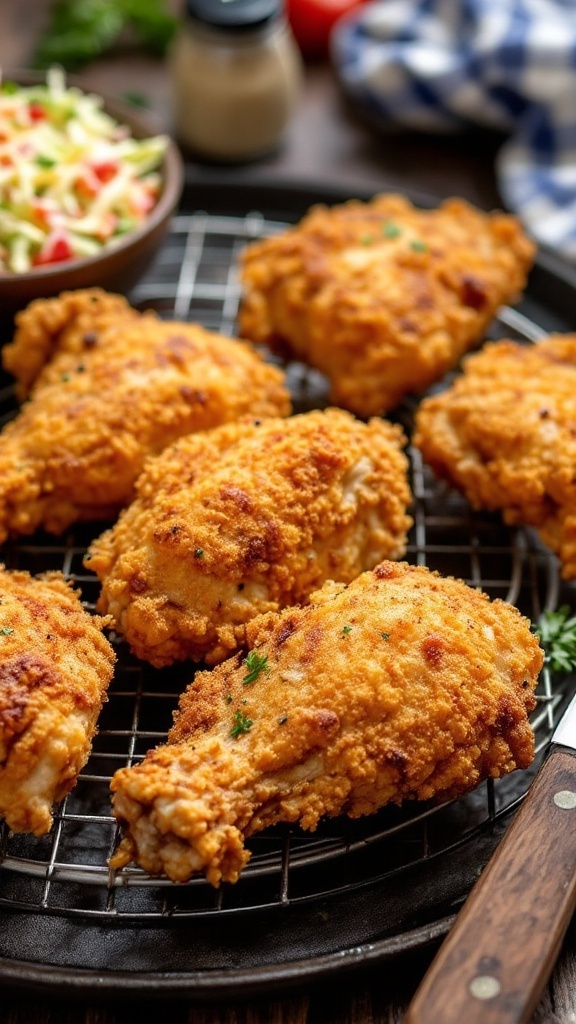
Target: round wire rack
306 904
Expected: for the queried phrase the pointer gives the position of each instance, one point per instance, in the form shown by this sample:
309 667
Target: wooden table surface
326 143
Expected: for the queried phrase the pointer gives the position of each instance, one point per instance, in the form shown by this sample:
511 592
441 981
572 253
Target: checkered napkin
441 65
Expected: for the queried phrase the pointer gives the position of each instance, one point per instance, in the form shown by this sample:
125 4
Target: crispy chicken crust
55 667
382 297
402 685
245 519
110 395
504 435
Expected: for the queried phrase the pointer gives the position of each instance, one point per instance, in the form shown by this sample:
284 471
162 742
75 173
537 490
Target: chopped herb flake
255 663
228 698
6 631
385 636
366 239
64 377
418 246
241 724
390 230
346 630
45 161
199 553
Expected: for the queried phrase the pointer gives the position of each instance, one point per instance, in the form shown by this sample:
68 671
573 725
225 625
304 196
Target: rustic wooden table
329 144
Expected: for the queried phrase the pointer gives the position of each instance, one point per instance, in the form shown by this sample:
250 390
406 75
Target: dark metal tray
353 893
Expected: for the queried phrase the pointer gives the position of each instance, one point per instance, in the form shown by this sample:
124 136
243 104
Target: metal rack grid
66 872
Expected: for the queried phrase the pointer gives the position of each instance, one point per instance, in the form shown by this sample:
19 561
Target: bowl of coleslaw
87 189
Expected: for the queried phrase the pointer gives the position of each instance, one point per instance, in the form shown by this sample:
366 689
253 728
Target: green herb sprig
78 31
241 724
255 663
556 631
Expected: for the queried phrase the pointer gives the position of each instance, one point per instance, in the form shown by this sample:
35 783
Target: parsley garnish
228 698
556 631
385 636
255 663
390 230
418 246
199 553
346 630
45 161
241 724
6 631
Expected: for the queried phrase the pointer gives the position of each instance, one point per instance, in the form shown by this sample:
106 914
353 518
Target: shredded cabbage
72 179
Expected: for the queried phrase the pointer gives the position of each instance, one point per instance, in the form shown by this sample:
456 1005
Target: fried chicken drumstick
117 386
55 667
402 685
248 518
382 297
503 434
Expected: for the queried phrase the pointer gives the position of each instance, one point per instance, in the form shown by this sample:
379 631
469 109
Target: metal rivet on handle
566 799
484 986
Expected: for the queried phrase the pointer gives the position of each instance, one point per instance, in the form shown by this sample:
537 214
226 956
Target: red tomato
105 170
37 112
56 249
313 20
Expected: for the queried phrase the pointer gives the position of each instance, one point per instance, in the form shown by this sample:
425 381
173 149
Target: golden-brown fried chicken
402 685
382 297
248 518
504 435
55 667
109 396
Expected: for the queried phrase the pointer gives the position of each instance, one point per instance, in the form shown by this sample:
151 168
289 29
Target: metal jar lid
234 15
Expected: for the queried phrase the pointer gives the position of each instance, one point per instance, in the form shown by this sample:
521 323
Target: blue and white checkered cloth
441 65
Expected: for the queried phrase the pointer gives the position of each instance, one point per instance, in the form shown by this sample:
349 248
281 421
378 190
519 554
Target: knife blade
502 947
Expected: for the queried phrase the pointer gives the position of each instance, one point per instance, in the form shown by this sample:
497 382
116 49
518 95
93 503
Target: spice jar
236 74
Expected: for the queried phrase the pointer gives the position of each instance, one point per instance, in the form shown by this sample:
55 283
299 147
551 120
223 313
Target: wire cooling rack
353 890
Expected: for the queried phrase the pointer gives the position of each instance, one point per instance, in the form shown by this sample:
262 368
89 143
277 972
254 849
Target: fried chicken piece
504 435
245 519
55 667
403 685
109 397
382 297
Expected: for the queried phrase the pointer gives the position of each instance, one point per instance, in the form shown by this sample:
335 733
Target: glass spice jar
236 75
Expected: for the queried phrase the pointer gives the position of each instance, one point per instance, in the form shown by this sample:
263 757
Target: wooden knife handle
498 956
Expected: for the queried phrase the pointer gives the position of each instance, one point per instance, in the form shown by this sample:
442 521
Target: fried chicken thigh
110 395
402 685
55 667
382 297
245 519
504 435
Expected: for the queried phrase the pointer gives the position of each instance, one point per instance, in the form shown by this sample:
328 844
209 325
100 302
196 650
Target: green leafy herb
45 161
418 246
78 31
199 553
385 636
6 631
241 724
346 630
390 230
556 631
228 698
366 240
255 663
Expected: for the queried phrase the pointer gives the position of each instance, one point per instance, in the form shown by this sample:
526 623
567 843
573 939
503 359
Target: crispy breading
110 396
403 685
55 667
245 519
504 435
382 297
